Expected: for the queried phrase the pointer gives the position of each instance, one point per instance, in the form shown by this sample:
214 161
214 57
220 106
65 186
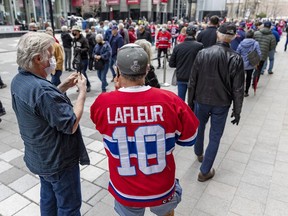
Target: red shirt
163 40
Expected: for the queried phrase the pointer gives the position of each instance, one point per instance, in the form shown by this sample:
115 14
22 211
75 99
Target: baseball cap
242 24
132 60
227 28
76 28
267 24
191 30
114 27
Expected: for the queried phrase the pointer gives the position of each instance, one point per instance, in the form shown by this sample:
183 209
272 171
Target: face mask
52 67
164 29
100 43
74 34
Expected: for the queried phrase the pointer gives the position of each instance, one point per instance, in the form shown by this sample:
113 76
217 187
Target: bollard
165 84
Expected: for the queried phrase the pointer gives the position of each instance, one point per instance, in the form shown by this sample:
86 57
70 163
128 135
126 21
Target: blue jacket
276 34
240 35
116 42
45 117
245 47
108 34
104 50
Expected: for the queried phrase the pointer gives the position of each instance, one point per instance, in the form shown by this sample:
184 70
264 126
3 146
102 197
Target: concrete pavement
251 166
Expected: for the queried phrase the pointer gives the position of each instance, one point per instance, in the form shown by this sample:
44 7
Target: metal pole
45 12
51 15
178 9
11 14
165 84
34 11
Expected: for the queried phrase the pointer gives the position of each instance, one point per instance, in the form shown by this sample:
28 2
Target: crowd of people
135 121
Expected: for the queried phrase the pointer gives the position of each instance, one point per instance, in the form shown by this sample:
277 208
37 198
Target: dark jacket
266 41
208 37
116 42
183 57
66 39
217 78
151 78
81 46
240 36
144 35
104 50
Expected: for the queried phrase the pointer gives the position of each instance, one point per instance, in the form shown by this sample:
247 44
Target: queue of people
135 121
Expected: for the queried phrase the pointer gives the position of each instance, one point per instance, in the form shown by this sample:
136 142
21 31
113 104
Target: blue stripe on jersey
168 194
190 143
150 146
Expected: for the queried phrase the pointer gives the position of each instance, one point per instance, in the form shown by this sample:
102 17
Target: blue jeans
55 80
111 64
60 193
271 62
84 66
218 116
102 76
182 89
68 54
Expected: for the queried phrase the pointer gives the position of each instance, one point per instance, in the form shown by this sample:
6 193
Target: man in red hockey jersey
139 133
163 43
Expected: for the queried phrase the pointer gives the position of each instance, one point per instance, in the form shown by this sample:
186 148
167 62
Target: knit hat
267 24
227 28
132 60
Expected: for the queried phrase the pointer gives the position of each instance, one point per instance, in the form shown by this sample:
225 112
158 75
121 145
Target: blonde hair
183 30
146 45
32 44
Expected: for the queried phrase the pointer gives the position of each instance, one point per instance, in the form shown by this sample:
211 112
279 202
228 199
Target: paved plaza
251 167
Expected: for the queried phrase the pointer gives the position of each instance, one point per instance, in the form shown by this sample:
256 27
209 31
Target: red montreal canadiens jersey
140 126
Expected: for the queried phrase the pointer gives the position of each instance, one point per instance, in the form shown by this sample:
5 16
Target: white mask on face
164 29
52 67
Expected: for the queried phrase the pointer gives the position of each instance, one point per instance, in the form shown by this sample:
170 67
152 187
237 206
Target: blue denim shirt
46 118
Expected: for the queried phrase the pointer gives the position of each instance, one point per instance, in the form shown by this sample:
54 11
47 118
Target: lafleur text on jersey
139 114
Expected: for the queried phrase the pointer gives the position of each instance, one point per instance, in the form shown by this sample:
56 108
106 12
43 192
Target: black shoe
270 72
3 112
88 89
158 67
246 94
203 178
3 86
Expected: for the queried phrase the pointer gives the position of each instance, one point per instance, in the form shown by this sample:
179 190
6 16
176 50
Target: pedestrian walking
182 59
102 54
247 46
67 44
49 125
139 136
208 37
217 80
81 48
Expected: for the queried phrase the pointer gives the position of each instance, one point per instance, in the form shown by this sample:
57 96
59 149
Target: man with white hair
123 32
33 27
216 80
49 125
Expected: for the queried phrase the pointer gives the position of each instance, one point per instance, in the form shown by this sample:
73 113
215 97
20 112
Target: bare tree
90 7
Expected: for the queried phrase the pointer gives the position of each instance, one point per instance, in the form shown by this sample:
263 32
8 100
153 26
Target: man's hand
236 118
68 82
81 82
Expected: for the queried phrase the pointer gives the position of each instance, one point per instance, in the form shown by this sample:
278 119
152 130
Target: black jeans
248 79
160 50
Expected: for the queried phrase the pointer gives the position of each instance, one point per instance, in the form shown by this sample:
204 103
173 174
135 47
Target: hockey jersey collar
135 89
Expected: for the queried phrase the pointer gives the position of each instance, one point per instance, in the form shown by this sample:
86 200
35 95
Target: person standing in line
163 43
139 136
182 59
81 48
246 46
208 37
116 42
240 35
49 125
67 44
267 42
217 80
102 52
2 110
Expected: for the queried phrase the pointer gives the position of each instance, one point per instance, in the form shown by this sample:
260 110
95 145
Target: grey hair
133 78
146 45
225 37
99 36
32 44
64 28
120 26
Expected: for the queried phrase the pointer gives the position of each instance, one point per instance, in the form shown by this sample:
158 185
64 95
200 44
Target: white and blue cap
132 60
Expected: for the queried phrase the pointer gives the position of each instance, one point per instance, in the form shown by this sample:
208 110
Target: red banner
113 2
164 1
131 2
77 3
